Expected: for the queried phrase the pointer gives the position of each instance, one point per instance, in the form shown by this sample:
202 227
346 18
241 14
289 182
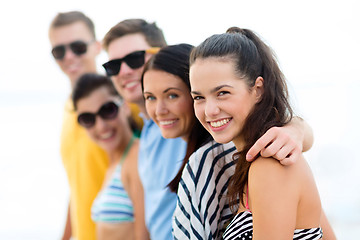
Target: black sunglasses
107 111
133 60
77 47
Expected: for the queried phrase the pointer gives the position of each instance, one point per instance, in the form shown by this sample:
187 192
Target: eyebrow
171 88
165 91
214 89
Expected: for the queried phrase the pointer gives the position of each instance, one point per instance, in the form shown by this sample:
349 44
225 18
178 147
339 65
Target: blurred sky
317 45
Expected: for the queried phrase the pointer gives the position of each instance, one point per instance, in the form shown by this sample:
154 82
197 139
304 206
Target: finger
284 151
260 144
291 158
288 160
272 149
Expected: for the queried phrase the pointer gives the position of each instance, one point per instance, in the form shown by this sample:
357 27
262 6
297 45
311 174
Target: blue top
158 163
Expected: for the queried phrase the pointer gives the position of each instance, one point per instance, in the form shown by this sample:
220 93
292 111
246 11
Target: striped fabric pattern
113 204
202 208
241 228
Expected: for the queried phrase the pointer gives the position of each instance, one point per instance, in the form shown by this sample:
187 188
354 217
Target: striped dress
202 210
113 204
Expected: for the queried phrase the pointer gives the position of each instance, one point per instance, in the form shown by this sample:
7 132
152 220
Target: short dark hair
66 18
152 33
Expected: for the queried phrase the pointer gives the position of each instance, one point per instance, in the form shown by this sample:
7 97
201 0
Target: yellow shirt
135 111
85 164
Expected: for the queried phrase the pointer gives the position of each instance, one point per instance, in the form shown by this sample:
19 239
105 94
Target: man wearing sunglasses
74 47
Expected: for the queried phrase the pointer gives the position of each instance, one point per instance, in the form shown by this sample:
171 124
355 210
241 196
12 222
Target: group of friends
181 141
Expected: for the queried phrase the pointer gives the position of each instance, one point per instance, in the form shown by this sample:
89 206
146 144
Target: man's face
127 81
71 64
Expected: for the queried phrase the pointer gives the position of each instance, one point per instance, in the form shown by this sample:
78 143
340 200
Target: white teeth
106 135
219 123
130 84
166 122
72 67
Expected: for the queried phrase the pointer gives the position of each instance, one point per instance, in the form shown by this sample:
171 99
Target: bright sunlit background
317 44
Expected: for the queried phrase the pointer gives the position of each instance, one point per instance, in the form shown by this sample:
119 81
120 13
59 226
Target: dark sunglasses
107 111
133 60
77 47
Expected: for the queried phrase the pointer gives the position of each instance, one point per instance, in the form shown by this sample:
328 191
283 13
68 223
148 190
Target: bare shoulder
270 169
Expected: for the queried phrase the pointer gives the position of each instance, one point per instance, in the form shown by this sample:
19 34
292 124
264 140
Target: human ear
259 88
98 47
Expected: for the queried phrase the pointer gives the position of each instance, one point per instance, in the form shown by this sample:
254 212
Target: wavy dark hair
88 83
252 58
174 59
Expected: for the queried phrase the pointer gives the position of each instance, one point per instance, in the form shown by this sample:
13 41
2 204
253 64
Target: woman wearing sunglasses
118 210
202 209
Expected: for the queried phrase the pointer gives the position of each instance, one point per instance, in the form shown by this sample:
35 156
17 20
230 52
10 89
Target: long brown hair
252 58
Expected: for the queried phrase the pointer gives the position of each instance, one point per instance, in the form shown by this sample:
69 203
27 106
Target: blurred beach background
317 45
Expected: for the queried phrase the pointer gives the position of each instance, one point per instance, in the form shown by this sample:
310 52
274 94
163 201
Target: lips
130 84
220 123
167 122
106 135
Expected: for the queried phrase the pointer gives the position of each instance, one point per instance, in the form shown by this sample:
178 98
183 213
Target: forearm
328 232
304 131
67 230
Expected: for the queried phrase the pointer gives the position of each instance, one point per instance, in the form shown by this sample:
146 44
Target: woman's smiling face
169 103
107 133
222 100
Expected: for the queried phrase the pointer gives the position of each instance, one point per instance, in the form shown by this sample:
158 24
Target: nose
68 53
161 108
124 69
100 124
211 108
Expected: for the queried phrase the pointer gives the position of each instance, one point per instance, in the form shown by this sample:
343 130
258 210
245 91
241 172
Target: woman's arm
329 233
136 194
273 196
284 143
67 230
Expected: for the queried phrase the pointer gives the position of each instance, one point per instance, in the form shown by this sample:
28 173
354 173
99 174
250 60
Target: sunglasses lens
58 52
135 60
112 67
78 47
108 110
86 120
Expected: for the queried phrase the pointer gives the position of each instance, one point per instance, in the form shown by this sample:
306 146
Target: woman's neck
115 156
239 143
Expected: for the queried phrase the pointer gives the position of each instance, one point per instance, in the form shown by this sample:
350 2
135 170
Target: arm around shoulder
307 132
